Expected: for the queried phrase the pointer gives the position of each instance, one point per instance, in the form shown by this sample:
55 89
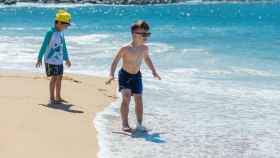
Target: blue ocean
220 64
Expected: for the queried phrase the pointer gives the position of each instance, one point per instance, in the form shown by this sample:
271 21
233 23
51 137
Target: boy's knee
126 97
53 78
138 99
126 94
126 101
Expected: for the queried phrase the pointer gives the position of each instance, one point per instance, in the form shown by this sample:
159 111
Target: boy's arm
43 48
115 64
65 50
150 64
65 53
45 45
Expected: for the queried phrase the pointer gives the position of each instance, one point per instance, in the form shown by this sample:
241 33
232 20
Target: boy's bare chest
133 55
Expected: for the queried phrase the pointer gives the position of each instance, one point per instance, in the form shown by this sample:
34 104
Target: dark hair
140 24
56 22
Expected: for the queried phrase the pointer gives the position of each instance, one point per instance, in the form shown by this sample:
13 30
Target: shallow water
219 96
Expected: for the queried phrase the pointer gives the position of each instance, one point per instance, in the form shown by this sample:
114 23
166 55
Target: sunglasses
65 23
144 34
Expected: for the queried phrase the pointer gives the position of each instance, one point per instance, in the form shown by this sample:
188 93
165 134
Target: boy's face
61 26
141 35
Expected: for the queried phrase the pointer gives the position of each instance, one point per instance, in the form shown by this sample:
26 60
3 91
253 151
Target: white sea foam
88 39
207 105
57 5
21 51
42 5
11 28
101 123
160 48
213 118
68 5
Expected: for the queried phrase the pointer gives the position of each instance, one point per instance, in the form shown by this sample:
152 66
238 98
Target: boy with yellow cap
55 52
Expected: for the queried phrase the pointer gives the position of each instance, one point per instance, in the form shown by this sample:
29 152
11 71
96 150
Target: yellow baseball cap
63 16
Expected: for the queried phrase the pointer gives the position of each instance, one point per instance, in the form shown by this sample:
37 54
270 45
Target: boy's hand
156 75
68 63
38 64
110 80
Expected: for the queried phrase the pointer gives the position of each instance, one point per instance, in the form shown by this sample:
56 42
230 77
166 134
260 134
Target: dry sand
29 128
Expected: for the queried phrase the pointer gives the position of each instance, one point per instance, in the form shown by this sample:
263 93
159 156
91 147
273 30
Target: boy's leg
139 108
137 91
52 87
126 96
58 88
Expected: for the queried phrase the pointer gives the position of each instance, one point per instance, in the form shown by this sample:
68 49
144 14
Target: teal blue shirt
54 48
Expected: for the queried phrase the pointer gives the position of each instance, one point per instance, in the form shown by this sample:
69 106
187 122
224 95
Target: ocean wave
60 5
77 5
157 47
195 2
195 50
88 39
12 28
43 5
233 71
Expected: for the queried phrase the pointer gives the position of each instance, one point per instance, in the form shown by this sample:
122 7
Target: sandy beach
29 128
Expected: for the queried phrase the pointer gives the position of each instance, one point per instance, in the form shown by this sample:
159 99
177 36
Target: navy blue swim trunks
130 81
54 70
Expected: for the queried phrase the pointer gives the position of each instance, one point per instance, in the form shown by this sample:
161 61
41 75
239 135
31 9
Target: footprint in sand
64 78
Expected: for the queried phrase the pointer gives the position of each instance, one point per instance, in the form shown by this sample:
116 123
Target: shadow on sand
62 106
151 137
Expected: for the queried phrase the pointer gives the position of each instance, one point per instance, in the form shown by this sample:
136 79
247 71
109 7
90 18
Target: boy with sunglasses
130 78
54 51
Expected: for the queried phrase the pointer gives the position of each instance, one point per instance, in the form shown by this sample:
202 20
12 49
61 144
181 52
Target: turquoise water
219 96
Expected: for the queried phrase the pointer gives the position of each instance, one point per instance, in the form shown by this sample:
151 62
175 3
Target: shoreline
101 123
123 2
37 130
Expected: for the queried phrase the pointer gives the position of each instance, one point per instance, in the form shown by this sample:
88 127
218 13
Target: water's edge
100 123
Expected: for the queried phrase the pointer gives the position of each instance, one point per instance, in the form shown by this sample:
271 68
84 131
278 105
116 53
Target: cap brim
66 23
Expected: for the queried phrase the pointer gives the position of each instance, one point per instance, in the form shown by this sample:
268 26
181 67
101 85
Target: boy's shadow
151 137
62 106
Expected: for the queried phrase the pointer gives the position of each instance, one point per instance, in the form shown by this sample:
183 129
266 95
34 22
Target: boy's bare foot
141 128
60 100
127 129
52 102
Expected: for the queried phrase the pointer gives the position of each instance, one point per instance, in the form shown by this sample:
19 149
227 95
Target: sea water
219 96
